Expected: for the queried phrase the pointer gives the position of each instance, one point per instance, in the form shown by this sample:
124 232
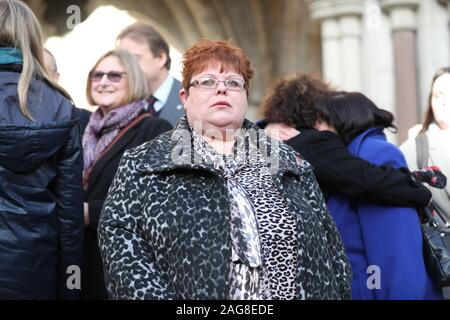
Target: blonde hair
137 85
19 28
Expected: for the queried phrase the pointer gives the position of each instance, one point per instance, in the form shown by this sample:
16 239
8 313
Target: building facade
387 49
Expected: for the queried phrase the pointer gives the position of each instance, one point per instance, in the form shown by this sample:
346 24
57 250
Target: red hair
206 53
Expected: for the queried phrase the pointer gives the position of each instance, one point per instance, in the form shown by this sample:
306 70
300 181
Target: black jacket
339 171
41 217
84 119
101 177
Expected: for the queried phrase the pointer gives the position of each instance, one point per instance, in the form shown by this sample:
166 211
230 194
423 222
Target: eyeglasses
208 82
113 76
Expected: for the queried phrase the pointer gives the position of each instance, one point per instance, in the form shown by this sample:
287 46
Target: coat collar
174 150
355 144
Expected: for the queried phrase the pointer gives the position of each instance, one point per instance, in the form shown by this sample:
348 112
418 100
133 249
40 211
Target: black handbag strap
422 150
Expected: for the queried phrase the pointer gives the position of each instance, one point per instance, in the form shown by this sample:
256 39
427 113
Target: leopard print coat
164 232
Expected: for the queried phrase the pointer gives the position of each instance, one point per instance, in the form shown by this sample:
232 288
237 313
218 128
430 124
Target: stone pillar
340 22
403 23
445 3
331 51
351 52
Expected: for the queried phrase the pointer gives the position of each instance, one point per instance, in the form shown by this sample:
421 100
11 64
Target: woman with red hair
214 209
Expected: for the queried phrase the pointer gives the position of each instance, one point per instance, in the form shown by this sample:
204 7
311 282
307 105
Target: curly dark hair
292 101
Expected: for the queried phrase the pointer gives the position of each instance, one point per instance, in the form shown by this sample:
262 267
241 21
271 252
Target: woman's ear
162 59
324 126
183 96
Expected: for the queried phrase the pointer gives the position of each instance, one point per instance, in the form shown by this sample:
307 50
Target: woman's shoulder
381 151
151 121
409 145
50 104
150 127
45 103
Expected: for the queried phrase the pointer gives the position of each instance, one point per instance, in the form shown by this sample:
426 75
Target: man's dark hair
143 32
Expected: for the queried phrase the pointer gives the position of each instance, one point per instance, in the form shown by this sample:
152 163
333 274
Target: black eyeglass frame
113 76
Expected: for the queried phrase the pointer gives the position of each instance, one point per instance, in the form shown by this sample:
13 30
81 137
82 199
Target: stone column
340 22
351 52
403 22
445 3
331 51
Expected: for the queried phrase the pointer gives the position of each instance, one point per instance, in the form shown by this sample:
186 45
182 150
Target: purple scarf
101 130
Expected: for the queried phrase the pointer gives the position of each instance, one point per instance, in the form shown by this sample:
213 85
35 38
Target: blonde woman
41 219
117 86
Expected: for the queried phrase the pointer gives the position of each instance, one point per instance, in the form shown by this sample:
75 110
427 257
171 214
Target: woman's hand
280 131
86 213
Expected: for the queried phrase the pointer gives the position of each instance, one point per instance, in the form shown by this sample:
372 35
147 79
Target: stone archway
279 36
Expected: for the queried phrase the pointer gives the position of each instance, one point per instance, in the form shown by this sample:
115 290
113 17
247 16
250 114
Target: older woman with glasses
117 86
215 209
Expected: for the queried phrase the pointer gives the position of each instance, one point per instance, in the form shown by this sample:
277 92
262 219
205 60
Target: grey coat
172 110
164 232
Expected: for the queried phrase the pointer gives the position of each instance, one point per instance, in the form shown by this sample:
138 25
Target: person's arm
68 191
339 171
130 263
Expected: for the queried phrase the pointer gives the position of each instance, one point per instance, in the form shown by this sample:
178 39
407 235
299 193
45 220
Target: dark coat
339 171
41 205
102 175
164 232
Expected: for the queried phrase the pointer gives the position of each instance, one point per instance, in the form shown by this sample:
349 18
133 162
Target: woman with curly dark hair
290 112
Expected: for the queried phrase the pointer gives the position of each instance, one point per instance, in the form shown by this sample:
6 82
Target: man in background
152 52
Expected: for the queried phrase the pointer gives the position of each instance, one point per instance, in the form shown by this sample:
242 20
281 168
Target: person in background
385 237
117 86
290 110
41 205
50 65
436 130
215 209
152 52
52 69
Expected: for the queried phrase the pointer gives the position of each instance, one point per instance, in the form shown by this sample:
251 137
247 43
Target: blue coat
382 242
